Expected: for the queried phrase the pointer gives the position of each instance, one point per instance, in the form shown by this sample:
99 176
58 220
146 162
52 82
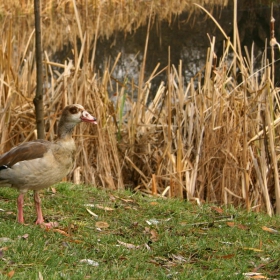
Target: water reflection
188 42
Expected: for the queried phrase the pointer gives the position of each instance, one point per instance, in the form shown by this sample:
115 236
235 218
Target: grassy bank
131 236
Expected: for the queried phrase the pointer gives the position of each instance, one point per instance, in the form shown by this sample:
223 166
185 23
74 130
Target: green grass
183 241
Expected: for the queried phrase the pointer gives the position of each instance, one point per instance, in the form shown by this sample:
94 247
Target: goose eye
73 110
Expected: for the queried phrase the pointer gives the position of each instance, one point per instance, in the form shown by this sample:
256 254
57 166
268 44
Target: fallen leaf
112 197
53 190
271 230
226 242
41 276
152 232
122 258
11 273
217 209
154 203
128 245
75 241
154 235
91 213
147 246
4 249
147 230
254 275
70 228
104 208
152 222
231 224
259 267
242 227
127 200
101 224
49 226
89 205
129 207
266 260
25 236
65 244
154 262
89 262
61 232
178 258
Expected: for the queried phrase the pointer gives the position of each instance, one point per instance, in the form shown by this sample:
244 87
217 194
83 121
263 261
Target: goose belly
36 174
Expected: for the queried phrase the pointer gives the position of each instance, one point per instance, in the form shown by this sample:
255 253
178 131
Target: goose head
76 113
71 116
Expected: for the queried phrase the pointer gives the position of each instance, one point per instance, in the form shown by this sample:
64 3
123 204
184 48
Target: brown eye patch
73 110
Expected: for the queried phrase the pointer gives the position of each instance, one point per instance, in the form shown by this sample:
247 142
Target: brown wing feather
25 151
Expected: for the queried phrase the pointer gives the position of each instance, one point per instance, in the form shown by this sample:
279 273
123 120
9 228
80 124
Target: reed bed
97 18
214 139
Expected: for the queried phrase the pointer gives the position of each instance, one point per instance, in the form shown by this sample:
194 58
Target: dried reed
59 18
208 141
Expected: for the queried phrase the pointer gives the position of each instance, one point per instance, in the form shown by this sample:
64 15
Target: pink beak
87 117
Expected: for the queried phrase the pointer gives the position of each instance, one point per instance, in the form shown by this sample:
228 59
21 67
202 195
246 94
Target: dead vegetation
96 18
212 140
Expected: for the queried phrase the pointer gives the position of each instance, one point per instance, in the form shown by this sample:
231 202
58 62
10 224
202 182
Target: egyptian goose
38 164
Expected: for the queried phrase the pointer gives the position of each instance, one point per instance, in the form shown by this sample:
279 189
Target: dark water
188 41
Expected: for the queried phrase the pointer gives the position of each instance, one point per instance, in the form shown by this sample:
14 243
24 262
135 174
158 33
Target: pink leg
40 219
37 201
20 201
